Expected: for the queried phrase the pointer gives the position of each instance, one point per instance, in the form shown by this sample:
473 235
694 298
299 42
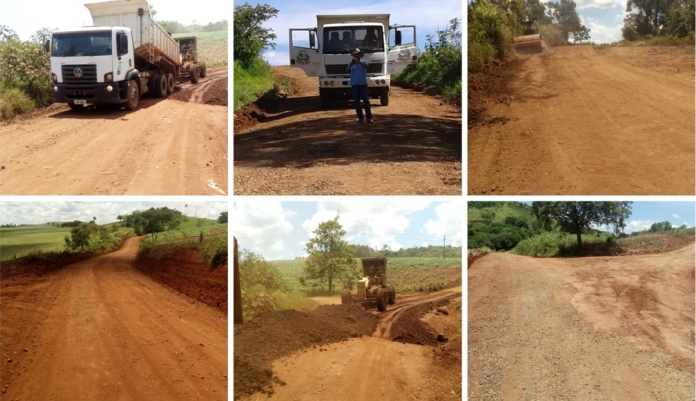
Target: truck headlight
332 83
326 83
109 88
55 88
108 77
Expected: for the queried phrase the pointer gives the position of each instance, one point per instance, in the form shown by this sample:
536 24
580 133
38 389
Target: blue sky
426 15
39 212
28 16
280 230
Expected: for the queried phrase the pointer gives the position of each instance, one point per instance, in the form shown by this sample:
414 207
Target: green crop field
21 241
406 274
192 227
501 210
212 46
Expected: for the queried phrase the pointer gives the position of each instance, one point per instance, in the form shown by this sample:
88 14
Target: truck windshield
81 44
342 39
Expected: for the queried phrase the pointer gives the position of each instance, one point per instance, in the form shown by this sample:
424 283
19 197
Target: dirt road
166 147
604 328
400 360
588 120
100 330
299 149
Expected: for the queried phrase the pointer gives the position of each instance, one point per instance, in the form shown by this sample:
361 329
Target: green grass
250 82
212 46
502 211
192 227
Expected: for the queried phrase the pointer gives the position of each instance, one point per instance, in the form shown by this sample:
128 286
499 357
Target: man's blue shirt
358 74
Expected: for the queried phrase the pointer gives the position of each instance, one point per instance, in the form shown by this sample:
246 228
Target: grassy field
406 274
212 46
501 212
192 227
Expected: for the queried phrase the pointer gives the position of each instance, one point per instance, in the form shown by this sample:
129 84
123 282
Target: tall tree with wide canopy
575 217
330 256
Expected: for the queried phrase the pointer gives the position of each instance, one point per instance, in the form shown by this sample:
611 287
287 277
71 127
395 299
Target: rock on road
590 120
166 147
100 330
588 329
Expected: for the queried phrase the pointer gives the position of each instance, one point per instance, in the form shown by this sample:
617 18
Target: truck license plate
80 102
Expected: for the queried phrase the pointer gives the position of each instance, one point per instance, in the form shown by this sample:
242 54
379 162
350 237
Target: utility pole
443 246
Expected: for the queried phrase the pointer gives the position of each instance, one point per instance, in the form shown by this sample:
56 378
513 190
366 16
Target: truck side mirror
123 43
397 38
47 46
312 40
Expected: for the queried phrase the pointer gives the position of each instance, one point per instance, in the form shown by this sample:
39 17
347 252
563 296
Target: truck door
304 51
402 48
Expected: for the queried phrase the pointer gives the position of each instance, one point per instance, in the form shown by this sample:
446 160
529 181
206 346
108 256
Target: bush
545 244
250 81
14 102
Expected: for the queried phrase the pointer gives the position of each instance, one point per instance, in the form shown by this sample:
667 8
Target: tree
153 221
79 237
222 219
255 270
564 14
537 11
330 256
575 217
661 226
250 37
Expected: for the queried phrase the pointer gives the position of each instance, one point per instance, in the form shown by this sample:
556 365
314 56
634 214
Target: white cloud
638 225
584 4
377 223
601 33
260 225
450 219
676 216
273 57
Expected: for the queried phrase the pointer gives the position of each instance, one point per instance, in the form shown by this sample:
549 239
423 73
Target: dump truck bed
151 42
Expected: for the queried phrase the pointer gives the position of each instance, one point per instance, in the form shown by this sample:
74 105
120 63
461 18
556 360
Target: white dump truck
324 52
123 56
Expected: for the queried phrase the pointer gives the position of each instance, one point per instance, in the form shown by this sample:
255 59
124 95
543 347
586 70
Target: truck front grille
338 69
79 74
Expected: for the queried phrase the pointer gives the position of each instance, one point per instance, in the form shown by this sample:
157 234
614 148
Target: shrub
545 244
14 102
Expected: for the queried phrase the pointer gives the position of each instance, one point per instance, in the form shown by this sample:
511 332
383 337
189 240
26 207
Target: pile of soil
491 85
263 339
185 270
216 94
410 329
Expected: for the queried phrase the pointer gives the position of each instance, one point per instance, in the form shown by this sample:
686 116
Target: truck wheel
170 83
392 295
381 296
193 74
384 98
133 96
203 70
346 297
324 99
161 85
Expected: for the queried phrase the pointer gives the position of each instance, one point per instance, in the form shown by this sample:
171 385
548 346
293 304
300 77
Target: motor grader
531 41
372 286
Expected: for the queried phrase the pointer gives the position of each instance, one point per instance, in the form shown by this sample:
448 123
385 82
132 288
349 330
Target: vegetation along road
587 120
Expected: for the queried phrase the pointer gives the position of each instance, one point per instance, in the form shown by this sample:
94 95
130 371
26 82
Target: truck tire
203 71
133 96
193 74
384 98
170 83
346 297
392 296
161 86
324 100
381 296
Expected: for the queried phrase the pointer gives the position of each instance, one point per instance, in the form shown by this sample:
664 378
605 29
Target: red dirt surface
584 120
597 328
292 354
185 270
166 147
101 330
293 147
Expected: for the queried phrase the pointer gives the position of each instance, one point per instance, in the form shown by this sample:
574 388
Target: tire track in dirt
587 120
597 328
99 329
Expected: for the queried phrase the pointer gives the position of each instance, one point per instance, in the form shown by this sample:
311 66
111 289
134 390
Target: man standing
358 83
